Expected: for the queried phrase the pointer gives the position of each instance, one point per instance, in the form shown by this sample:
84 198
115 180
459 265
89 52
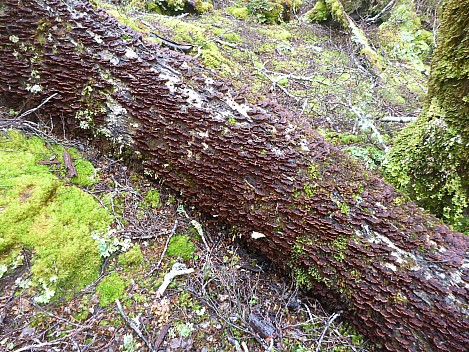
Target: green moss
153 199
339 245
309 189
202 6
110 288
132 258
320 12
153 7
129 21
41 213
232 37
181 247
403 36
444 187
278 33
213 58
241 13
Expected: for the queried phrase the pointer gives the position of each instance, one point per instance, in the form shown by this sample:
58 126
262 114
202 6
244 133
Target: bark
430 157
400 275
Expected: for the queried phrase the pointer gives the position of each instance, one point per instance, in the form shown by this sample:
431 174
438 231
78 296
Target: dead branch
134 327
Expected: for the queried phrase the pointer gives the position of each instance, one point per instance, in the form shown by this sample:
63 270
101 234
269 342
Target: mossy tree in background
429 160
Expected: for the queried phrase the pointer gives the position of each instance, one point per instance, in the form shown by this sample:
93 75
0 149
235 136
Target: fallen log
400 275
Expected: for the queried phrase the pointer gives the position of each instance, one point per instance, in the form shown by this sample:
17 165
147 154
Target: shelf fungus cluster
399 274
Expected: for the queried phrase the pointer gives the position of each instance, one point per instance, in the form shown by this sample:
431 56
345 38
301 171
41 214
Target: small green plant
153 199
185 330
47 293
110 288
181 247
265 11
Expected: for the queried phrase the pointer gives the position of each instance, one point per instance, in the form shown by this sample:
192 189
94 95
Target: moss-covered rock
403 36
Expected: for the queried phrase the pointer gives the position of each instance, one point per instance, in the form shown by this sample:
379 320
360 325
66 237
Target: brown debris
69 165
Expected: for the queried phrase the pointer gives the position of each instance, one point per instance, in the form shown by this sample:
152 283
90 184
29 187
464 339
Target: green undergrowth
44 215
111 288
181 246
404 38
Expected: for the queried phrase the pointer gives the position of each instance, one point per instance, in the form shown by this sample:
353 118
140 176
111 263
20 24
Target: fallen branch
403 119
133 326
161 336
177 269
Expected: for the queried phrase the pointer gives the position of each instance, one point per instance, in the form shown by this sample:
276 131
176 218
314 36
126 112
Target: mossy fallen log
400 275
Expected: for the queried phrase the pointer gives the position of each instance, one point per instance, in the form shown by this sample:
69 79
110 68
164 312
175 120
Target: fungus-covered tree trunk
401 276
430 158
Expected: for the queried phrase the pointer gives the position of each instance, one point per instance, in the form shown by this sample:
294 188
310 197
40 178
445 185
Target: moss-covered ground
47 218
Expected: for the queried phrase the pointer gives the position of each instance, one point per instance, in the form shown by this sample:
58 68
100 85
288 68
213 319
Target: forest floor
233 300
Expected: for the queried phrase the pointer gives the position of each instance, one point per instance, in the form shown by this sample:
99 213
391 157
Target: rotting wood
399 275
69 165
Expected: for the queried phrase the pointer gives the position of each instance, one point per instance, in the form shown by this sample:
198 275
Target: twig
245 347
30 111
373 19
133 326
161 336
329 322
403 119
200 231
38 346
173 231
235 343
145 237
176 270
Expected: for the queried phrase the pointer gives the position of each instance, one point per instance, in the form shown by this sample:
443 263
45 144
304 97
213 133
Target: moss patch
110 288
181 247
132 258
42 214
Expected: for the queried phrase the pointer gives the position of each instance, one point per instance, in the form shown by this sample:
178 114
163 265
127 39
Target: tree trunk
401 276
430 158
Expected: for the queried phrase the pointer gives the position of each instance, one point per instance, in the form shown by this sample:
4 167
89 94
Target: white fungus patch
256 235
130 54
97 38
193 98
241 108
171 80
